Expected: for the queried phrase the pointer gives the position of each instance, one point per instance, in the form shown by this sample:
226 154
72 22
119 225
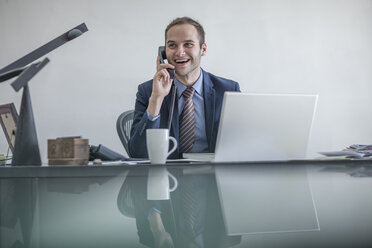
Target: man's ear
203 49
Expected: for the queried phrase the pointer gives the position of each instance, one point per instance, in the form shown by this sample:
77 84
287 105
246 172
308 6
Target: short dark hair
187 20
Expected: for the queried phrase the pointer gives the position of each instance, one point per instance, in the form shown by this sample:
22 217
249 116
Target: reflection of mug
158 144
158 184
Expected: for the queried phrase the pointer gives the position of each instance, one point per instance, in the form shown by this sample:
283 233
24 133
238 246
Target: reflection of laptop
266 198
256 127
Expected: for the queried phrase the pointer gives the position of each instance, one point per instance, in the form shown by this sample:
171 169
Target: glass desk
251 204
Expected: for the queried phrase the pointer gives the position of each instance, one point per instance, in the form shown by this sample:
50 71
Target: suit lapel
209 106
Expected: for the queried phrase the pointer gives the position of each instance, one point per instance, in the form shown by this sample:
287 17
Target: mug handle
174 145
175 182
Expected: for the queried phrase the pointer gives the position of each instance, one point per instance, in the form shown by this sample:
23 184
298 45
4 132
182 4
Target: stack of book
363 150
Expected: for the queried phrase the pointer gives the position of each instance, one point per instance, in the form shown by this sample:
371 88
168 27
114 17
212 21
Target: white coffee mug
158 144
158 183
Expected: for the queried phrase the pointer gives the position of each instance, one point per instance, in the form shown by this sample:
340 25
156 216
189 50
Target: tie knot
189 92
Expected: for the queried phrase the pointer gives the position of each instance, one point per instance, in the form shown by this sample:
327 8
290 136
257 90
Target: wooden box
68 151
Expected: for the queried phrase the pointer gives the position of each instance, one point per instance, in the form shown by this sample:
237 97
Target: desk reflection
273 204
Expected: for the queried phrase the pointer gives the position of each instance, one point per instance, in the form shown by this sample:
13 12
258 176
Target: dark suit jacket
213 90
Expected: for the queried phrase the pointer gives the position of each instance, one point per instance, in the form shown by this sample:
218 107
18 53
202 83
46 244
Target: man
195 128
195 122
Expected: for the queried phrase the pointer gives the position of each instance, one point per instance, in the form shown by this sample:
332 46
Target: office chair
123 127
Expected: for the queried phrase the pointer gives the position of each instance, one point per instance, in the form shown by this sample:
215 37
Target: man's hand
162 239
161 86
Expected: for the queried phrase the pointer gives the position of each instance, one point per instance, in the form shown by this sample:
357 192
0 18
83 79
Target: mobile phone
163 60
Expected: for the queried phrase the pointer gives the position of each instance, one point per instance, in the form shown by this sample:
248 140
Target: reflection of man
166 223
198 99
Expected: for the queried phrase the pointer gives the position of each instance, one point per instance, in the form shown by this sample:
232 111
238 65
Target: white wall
285 46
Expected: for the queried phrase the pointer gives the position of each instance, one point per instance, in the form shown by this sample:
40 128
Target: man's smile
181 61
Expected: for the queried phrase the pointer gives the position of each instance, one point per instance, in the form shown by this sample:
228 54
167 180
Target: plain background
274 46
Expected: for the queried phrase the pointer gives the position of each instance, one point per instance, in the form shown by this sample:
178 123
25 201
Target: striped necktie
187 122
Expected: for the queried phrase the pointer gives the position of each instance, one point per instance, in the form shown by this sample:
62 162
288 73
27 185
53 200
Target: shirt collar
198 86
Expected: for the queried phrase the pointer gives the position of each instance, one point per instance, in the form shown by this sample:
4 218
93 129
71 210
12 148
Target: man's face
183 50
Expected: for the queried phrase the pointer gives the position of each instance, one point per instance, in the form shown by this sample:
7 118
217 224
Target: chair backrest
123 127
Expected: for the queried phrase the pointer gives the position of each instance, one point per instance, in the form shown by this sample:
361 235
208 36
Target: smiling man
199 94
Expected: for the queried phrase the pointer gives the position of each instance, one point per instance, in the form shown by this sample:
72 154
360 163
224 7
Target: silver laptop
258 127
262 127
